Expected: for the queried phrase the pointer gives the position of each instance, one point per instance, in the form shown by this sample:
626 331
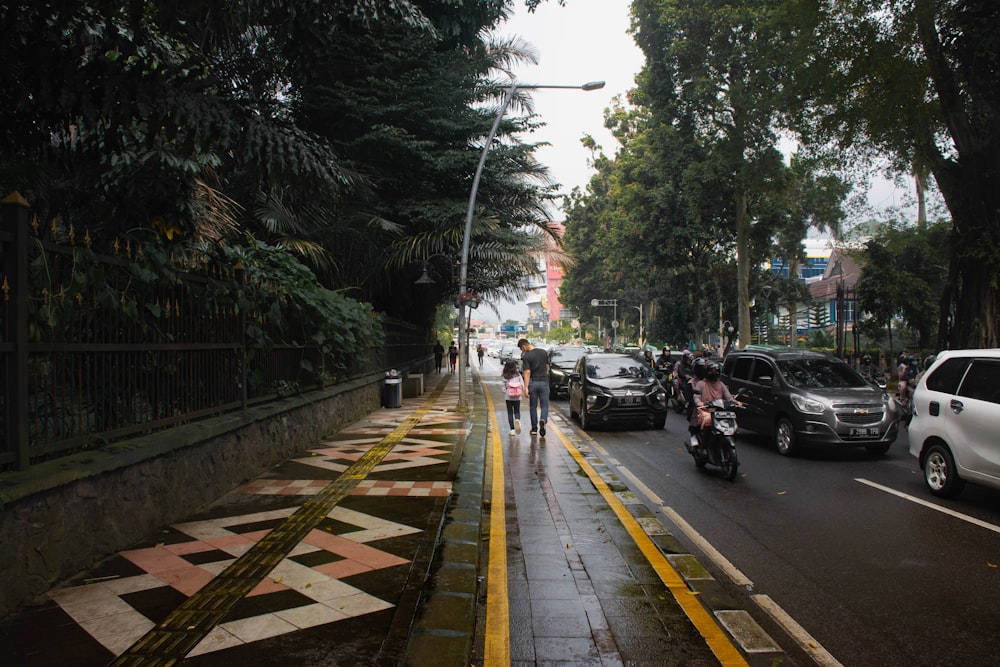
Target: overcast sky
587 40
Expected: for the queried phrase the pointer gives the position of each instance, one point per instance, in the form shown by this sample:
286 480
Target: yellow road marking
704 622
496 650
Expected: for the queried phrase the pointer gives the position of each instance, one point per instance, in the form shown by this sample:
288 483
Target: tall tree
917 79
716 62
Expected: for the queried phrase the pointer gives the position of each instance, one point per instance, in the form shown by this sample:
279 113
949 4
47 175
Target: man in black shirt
536 376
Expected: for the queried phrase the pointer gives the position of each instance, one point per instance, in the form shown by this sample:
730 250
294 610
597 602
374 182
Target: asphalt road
852 547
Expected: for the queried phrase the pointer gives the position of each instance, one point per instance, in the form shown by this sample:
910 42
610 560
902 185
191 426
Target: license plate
629 400
865 432
725 415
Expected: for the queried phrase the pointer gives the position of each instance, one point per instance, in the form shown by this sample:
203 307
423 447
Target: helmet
928 360
712 371
666 349
866 359
699 368
688 356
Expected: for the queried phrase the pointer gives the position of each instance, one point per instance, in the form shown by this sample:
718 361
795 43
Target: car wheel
877 450
940 473
784 437
584 420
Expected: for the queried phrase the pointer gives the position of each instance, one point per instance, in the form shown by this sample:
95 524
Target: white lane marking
731 571
939 508
646 491
797 632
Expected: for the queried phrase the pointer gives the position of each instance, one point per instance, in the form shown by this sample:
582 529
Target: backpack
514 387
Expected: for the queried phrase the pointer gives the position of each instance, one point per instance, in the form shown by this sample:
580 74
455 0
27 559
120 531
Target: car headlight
807 405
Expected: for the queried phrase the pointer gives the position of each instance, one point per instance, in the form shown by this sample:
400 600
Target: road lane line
496 649
704 622
808 643
939 508
646 491
713 554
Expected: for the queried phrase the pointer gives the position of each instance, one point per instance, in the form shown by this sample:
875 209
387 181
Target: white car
956 419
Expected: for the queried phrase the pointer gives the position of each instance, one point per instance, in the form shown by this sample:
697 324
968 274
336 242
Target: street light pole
463 273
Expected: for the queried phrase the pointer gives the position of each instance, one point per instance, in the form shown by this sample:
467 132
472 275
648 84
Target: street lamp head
425 279
592 85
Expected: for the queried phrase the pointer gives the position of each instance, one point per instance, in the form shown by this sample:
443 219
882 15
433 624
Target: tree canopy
343 132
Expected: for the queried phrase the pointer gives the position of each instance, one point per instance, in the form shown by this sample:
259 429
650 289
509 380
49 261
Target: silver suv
956 419
801 397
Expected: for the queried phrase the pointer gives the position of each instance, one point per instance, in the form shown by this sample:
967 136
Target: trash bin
392 391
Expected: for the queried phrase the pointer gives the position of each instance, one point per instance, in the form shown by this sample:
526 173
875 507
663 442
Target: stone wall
62 517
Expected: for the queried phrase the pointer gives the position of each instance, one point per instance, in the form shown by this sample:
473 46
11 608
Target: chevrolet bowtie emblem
860 411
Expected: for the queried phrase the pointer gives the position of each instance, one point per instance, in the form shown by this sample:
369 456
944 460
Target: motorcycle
875 376
665 376
715 444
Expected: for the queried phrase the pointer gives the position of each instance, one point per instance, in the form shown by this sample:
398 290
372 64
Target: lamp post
463 271
767 312
640 337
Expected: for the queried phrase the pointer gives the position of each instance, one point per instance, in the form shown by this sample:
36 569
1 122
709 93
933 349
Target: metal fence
87 362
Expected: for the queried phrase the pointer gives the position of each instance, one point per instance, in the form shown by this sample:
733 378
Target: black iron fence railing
87 361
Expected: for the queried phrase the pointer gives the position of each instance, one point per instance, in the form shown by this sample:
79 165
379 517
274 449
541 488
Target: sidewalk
378 547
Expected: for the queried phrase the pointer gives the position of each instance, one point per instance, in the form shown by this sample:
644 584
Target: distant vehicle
510 352
956 419
562 360
801 397
611 388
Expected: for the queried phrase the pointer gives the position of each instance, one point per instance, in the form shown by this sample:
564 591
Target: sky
587 40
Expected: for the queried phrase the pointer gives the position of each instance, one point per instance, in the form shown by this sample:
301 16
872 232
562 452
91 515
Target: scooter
715 444
666 379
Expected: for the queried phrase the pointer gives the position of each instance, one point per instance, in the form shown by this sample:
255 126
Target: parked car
611 388
802 397
562 361
956 419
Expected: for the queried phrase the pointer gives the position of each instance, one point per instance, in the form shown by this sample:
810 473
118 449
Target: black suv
801 397
561 363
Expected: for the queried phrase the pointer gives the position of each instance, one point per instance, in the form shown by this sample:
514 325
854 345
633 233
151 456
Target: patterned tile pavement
353 564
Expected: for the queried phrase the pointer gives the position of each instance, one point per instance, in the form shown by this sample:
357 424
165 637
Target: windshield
567 356
602 368
819 373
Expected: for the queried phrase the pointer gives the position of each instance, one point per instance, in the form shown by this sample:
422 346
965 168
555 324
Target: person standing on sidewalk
513 390
452 356
438 355
536 375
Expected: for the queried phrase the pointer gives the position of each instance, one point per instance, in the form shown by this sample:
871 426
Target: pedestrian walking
438 354
536 375
480 352
513 390
453 356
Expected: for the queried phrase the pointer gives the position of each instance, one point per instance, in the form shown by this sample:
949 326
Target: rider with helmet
664 363
709 388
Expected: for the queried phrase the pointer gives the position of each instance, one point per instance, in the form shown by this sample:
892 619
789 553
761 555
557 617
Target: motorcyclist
906 371
684 366
870 371
664 363
648 358
706 390
690 389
